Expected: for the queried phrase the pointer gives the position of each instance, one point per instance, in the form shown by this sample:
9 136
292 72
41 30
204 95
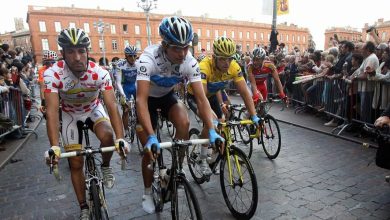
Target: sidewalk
11 145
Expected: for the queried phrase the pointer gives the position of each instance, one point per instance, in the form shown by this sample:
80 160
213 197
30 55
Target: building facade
343 33
124 27
383 28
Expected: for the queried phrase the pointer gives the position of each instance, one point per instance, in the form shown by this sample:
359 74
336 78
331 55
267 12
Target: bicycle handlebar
88 151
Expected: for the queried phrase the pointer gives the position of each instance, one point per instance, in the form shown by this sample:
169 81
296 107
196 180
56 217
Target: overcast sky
317 15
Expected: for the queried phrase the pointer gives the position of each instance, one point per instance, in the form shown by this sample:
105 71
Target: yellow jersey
216 80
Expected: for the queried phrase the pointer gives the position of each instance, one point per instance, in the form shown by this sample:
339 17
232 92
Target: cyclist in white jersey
160 68
78 82
125 77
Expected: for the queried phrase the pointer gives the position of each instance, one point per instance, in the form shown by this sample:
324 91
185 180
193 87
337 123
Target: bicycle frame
225 128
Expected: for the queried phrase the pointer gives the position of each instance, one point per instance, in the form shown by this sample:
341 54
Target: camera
371 28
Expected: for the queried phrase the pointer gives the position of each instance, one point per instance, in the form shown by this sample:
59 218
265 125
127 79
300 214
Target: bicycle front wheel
99 209
270 137
185 204
193 157
171 129
239 184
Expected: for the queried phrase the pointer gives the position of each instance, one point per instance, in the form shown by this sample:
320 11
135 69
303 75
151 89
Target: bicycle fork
230 167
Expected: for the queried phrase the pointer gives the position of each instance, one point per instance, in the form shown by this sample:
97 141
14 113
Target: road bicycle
131 132
171 184
93 179
237 177
267 134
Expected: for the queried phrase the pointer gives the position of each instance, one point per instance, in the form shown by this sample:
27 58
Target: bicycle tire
193 158
171 129
94 193
184 199
244 130
238 185
267 135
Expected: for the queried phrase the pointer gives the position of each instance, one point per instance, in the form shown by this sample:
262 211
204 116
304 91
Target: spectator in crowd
382 90
384 119
356 61
366 89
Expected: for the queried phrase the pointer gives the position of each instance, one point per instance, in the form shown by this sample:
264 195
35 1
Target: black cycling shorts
214 104
163 103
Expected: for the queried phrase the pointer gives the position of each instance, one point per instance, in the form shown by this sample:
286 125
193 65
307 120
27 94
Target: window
232 34
101 45
286 37
208 33
298 38
138 44
199 46
199 32
261 36
255 35
268 36
208 46
113 31
126 43
293 38
240 35
72 25
304 39
136 29
281 37
216 33
224 34
57 26
247 35
114 44
124 27
86 27
42 26
45 44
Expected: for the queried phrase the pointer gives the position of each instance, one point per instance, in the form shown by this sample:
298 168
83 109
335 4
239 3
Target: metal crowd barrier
358 101
12 106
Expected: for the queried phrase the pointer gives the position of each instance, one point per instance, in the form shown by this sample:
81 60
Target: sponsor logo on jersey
203 76
142 69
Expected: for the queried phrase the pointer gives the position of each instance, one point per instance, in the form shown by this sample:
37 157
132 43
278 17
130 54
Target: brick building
343 33
126 27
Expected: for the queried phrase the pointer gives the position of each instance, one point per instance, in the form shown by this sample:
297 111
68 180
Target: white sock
148 191
203 152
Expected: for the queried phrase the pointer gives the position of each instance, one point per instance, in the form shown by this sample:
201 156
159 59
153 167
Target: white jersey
154 66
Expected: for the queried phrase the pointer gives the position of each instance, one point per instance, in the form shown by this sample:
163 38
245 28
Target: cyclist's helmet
224 47
49 55
201 57
131 50
259 52
73 37
237 57
176 30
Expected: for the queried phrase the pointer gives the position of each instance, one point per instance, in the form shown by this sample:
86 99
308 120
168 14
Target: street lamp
147 6
100 25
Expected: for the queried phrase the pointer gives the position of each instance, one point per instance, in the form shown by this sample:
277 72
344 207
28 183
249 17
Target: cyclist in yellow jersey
216 73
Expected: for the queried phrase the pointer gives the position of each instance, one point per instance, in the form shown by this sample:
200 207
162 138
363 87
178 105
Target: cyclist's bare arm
219 97
115 119
204 109
246 96
52 117
142 107
253 82
118 80
275 75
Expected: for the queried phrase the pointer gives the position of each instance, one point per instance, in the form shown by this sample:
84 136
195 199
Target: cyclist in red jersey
258 71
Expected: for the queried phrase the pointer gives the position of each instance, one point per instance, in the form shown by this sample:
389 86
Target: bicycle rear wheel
242 194
184 202
99 207
271 137
193 157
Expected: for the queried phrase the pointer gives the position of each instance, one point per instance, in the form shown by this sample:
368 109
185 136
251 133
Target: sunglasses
224 59
178 48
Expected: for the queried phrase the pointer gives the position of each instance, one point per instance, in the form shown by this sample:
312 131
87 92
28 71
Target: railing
357 101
